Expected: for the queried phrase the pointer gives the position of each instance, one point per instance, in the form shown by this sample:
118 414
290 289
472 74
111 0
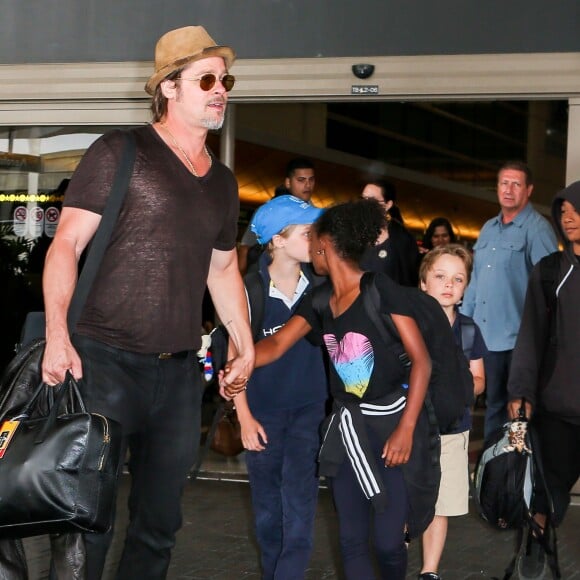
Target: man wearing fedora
133 349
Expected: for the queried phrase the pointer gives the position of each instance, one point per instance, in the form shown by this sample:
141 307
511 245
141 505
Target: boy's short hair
451 250
298 163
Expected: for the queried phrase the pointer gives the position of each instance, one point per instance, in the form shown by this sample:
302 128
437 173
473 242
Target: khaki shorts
453 497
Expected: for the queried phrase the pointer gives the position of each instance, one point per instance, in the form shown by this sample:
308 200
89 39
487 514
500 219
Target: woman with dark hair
438 233
395 251
376 451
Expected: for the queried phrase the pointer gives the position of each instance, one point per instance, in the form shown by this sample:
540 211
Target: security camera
363 71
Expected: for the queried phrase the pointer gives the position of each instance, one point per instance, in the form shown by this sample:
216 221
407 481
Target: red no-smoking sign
51 218
20 214
52 214
19 221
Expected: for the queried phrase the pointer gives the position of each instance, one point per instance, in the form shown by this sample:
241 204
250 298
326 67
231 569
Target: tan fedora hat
181 46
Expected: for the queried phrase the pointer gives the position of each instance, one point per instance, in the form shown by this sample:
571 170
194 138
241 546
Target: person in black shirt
395 252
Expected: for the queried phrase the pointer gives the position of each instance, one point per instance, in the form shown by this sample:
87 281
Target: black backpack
505 478
451 383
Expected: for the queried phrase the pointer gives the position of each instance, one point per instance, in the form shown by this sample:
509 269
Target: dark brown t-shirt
148 292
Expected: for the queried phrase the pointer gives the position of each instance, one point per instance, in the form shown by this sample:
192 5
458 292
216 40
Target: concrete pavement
216 541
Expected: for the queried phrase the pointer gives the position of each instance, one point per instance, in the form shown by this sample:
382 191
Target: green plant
15 295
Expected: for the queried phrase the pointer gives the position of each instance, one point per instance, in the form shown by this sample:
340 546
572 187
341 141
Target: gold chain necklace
185 155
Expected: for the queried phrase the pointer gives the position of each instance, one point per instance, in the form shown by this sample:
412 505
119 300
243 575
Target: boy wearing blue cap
284 404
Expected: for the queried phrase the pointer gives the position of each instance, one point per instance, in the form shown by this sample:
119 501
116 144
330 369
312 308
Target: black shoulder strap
467 326
372 305
103 235
255 289
384 324
389 333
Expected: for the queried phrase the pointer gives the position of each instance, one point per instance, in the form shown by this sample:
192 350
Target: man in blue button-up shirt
507 248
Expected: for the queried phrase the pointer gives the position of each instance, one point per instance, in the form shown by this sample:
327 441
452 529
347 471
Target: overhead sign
364 90
19 162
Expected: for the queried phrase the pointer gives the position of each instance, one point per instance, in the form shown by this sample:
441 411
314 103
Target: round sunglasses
208 81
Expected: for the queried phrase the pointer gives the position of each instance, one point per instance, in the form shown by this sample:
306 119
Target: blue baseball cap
280 212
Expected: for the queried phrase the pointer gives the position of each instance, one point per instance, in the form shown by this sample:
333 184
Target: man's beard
212 124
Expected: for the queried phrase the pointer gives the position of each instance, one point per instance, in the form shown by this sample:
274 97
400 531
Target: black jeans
157 401
560 454
363 532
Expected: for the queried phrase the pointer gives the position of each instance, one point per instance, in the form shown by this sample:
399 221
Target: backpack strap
467 326
384 324
256 294
390 335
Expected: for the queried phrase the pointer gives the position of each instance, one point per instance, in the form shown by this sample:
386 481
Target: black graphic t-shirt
363 367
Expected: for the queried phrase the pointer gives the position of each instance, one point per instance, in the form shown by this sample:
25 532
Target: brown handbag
227 439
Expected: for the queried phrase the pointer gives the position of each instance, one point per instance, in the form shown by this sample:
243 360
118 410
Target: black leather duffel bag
57 470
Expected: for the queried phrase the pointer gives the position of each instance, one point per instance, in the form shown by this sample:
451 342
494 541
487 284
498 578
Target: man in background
508 247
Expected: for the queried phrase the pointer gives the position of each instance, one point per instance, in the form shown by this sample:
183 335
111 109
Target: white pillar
228 137
34 227
573 152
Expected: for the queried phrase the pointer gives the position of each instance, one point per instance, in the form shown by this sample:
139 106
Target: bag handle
522 411
68 386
